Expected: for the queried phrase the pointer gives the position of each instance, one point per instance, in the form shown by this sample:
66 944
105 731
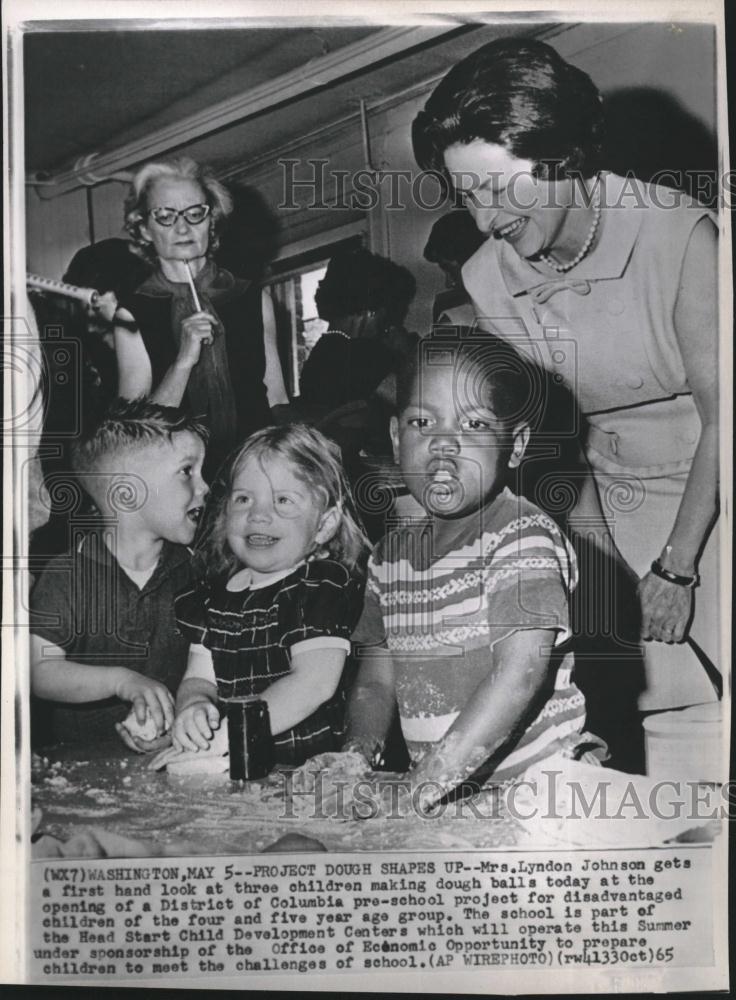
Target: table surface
105 788
145 813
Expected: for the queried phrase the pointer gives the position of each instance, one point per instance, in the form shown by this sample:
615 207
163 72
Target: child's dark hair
488 368
316 461
129 424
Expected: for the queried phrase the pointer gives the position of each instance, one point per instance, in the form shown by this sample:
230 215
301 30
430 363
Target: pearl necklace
339 333
583 252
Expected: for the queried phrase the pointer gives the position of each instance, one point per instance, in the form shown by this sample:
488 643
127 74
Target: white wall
56 227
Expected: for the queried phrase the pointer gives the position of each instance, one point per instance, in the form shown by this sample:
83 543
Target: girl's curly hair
313 459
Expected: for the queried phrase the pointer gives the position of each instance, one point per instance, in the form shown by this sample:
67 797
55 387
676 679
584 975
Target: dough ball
145 732
294 843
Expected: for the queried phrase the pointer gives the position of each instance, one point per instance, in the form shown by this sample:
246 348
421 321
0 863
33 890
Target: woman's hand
195 725
666 609
106 309
196 330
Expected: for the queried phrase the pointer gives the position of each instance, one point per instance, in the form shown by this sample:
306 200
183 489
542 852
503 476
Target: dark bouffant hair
357 281
520 94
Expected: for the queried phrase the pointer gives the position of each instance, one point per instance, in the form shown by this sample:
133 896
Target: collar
454 534
244 579
214 281
92 546
623 201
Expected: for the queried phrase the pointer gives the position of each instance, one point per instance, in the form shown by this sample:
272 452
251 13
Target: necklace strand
339 333
583 252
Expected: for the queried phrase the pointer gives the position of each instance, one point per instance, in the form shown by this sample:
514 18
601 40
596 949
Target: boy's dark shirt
86 604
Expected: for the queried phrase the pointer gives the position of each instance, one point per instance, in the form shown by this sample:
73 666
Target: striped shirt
441 612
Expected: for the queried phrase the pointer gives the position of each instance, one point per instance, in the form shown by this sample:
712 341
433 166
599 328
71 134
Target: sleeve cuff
200 665
321 642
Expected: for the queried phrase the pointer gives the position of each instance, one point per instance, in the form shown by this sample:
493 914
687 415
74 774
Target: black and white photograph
367 465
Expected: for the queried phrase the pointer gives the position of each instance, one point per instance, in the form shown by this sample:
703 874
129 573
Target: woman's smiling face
505 199
183 240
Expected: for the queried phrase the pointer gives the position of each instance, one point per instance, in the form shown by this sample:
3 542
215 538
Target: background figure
205 339
250 235
364 298
616 294
108 266
453 239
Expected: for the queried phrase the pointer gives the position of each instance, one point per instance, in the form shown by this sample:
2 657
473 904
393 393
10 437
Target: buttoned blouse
607 326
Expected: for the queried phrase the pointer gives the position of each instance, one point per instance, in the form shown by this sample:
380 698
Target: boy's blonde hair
127 426
316 461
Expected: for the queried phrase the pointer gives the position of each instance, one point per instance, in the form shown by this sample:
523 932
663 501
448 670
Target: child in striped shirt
466 620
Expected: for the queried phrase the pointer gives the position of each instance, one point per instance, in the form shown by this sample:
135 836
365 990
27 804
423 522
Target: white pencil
197 306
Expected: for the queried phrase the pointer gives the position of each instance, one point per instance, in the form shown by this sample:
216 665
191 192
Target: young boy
466 611
103 633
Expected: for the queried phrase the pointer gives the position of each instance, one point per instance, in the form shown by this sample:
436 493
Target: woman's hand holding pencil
196 330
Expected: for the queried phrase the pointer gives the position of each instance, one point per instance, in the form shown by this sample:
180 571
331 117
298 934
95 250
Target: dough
204 763
294 843
214 760
145 732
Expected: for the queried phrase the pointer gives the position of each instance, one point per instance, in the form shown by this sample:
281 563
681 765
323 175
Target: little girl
285 591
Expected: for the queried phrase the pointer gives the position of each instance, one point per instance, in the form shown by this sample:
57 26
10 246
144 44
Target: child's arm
197 715
372 704
498 704
55 678
315 674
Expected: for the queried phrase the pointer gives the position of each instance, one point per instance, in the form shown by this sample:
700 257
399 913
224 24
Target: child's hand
194 725
138 745
146 695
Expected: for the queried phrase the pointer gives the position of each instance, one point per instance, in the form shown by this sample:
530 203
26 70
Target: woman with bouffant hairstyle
520 95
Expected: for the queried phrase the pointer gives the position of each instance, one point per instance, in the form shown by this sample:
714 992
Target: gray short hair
181 167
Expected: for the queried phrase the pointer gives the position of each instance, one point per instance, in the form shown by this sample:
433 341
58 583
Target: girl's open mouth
260 541
194 514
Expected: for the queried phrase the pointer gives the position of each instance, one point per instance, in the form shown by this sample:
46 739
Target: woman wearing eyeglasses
204 338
